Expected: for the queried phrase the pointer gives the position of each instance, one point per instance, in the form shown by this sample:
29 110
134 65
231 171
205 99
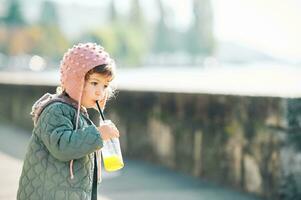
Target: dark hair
106 70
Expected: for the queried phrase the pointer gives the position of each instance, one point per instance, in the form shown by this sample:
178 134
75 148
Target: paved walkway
138 180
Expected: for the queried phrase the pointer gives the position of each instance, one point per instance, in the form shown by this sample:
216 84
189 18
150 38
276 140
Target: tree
14 16
52 43
199 39
162 33
12 35
113 15
48 16
136 17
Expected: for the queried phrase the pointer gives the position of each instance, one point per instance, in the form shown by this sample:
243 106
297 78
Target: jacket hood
47 99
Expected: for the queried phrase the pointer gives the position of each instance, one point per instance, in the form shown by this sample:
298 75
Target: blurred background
208 91
34 34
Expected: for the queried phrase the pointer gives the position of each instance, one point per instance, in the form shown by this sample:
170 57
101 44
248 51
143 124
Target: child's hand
108 130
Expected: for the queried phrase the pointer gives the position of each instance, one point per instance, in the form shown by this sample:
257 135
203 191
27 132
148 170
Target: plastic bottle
111 151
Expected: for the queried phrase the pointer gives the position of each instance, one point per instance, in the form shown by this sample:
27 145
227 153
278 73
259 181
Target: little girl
62 159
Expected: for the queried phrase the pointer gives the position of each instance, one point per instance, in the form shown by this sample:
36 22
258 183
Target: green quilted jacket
54 142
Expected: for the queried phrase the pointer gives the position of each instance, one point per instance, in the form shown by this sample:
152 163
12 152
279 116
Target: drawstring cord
98 152
76 127
98 158
71 169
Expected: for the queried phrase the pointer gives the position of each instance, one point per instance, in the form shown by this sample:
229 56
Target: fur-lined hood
47 99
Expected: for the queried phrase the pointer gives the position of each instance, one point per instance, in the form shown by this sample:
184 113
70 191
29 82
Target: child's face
94 89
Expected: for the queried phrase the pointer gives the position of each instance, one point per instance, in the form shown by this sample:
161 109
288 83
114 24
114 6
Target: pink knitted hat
76 62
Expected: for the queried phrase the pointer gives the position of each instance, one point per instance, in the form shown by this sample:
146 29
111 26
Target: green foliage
49 15
199 37
124 40
127 38
14 16
44 38
53 43
136 17
162 36
113 16
125 44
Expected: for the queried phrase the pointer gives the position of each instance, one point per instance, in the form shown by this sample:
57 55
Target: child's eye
94 83
105 86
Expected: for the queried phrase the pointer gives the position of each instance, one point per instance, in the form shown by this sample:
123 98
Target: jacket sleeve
58 135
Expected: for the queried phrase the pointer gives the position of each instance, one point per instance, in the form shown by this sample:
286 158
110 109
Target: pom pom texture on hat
76 62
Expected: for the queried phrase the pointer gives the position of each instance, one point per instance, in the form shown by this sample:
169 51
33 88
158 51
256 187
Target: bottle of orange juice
111 151
111 154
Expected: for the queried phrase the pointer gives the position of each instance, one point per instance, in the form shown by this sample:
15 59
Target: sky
273 26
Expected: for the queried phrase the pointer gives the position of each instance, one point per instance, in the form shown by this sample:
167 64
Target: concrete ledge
271 81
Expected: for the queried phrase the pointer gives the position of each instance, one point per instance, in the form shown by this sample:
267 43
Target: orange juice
113 163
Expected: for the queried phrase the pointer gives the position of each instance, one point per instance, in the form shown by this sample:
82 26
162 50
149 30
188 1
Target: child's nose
99 92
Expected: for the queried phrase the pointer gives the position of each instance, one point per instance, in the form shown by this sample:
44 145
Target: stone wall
236 141
231 140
